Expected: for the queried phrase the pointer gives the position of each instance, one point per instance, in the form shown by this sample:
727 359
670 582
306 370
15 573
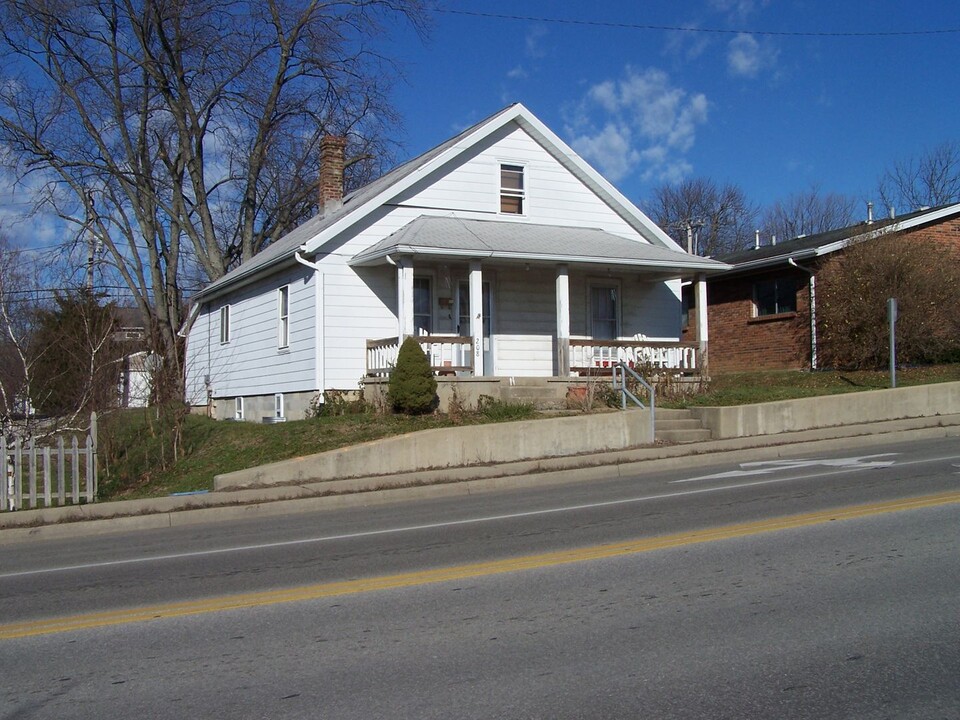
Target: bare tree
185 133
16 311
807 213
928 180
719 219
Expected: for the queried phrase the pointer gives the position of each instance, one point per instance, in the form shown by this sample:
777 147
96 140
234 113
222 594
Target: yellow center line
460 572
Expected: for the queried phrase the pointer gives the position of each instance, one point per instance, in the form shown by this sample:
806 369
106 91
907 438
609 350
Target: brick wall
739 341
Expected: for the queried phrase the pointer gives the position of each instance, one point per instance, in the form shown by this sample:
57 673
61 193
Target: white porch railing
592 356
448 354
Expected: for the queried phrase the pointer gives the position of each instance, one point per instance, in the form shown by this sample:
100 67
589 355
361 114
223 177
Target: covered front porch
507 299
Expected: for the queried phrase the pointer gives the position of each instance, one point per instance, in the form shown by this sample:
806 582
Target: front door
463 320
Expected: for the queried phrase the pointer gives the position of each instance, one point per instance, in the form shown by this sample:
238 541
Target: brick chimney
331 173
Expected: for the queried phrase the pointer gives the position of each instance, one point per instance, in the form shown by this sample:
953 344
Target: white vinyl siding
248 365
473 188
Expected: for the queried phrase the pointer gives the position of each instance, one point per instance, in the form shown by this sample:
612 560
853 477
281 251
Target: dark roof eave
240 280
773 260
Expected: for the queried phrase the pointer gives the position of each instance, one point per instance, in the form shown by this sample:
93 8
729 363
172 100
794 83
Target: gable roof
310 237
812 246
453 237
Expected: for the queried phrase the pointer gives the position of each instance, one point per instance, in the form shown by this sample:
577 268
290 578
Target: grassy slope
747 388
135 459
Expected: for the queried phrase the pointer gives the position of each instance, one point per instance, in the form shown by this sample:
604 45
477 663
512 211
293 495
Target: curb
167 512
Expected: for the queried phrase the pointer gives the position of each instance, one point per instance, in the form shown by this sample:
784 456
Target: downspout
318 309
813 312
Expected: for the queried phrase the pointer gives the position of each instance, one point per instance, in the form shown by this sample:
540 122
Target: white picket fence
48 476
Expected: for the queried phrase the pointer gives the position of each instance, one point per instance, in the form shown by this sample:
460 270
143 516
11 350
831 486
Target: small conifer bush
413 388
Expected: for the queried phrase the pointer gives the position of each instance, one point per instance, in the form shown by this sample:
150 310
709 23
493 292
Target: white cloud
19 221
534 45
611 149
517 73
746 57
738 9
639 122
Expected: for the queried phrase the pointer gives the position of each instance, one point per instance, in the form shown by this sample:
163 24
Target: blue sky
773 112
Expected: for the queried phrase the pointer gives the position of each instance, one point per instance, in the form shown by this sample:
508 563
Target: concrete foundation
258 407
542 392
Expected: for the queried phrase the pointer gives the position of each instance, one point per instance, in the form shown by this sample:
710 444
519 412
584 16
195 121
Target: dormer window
511 189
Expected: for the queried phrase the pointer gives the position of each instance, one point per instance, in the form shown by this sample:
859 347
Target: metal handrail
620 371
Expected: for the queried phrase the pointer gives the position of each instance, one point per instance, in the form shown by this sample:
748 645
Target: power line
689 29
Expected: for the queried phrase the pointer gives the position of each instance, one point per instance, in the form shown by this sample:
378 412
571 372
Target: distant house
762 314
503 252
135 379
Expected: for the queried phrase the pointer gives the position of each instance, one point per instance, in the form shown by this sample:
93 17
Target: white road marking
455 523
765 467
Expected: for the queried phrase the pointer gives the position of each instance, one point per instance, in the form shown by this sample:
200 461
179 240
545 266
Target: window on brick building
776 296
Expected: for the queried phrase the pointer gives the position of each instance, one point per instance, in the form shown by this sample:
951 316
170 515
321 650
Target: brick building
760 313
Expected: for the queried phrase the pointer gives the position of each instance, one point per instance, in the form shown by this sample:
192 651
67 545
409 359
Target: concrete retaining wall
456 447
831 410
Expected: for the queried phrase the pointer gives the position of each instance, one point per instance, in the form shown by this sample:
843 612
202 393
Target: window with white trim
224 324
278 409
776 296
238 409
422 306
604 311
512 193
283 317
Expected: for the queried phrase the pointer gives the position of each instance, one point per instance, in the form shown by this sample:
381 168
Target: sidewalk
128 515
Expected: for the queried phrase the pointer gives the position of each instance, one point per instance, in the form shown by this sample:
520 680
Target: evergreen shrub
412 387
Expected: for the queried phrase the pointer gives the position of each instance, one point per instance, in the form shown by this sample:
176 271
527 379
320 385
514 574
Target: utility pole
91 241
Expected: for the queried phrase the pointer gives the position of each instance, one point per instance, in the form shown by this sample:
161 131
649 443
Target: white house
501 250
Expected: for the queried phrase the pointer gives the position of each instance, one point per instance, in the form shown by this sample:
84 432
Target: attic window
511 189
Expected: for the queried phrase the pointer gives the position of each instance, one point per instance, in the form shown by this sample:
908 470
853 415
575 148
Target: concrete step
679 426
682 436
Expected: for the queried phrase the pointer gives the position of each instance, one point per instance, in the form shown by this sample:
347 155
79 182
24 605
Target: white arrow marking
765 467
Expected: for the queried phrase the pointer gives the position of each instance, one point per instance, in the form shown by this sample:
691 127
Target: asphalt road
853 618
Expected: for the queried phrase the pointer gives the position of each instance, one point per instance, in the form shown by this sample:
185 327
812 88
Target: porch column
404 298
476 316
700 288
563 320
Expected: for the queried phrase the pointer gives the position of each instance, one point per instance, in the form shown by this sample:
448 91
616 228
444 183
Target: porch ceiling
454 238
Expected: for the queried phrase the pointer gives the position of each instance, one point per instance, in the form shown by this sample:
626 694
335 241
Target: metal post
892 316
